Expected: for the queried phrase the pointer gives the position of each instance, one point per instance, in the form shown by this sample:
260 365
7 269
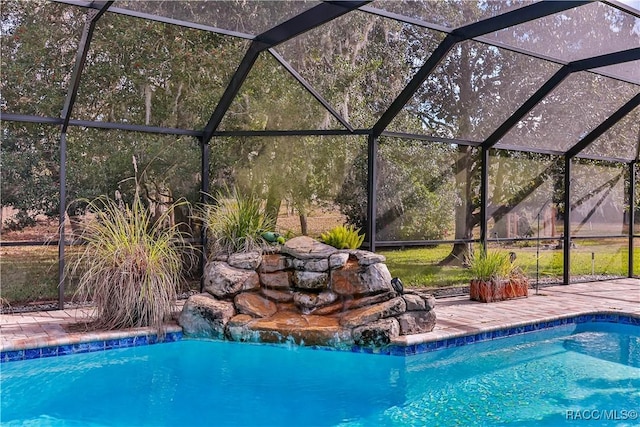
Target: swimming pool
550 377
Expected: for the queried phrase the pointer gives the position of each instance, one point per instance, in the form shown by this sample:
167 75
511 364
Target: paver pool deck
456 316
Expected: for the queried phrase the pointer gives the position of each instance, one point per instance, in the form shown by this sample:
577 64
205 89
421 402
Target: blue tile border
87 347
391 349
484 336
458 341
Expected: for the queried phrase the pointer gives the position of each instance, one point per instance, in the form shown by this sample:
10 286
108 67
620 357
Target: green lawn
419 266
31 273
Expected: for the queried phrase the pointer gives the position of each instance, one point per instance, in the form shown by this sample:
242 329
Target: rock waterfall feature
307 293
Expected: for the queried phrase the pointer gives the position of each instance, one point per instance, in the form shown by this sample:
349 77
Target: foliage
131 266
416 194
143 72
29 158
136 72
304 172
476 87
235 222
343 237
486 265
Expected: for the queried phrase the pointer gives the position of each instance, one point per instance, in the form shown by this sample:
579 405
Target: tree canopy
341 76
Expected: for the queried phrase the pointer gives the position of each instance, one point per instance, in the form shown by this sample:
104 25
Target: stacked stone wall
308 293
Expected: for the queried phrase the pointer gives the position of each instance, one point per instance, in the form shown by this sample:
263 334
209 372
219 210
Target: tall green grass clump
235 223
343 237
131 266
490 265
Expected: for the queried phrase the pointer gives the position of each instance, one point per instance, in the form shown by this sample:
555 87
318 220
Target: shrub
130 267
343 237
491 265
235 223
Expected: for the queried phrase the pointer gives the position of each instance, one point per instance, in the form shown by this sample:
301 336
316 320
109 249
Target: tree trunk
303 224
464 218
272 207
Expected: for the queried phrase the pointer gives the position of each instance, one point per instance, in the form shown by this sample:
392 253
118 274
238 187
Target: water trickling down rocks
307 293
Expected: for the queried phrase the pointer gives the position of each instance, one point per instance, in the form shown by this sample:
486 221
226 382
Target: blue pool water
550 377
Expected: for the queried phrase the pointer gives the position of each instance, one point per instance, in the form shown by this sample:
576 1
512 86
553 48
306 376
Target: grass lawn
419 266
31 273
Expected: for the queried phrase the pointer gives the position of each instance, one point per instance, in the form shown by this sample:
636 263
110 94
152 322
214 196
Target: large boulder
304 247
245 260
310 280
355 280
416 322
372 313
254 305
376 334
205 317
272 263
276 280
223 281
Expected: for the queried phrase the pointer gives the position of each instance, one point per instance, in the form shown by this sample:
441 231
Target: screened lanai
439 124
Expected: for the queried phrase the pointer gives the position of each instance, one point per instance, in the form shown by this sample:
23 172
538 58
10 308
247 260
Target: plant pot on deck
498 290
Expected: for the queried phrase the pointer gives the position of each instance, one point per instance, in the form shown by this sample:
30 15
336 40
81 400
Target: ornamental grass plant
490 265
235 222
131 264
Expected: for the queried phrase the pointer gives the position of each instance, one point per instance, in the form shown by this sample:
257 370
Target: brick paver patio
455 316
460 316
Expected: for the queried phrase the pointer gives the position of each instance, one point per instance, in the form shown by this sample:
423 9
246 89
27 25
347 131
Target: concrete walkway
455 316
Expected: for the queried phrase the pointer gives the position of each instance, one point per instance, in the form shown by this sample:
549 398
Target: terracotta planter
498 290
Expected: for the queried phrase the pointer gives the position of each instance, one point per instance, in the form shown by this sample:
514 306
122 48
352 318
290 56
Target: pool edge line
459 339
85 343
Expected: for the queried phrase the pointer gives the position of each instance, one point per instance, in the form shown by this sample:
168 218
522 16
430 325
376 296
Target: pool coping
402 346
421 343
86 342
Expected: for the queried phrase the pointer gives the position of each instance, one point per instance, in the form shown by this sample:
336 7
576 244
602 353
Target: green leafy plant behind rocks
490 265
343 237
131 266
236 223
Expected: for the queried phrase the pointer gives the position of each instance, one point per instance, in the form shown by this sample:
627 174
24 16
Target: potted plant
496 277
